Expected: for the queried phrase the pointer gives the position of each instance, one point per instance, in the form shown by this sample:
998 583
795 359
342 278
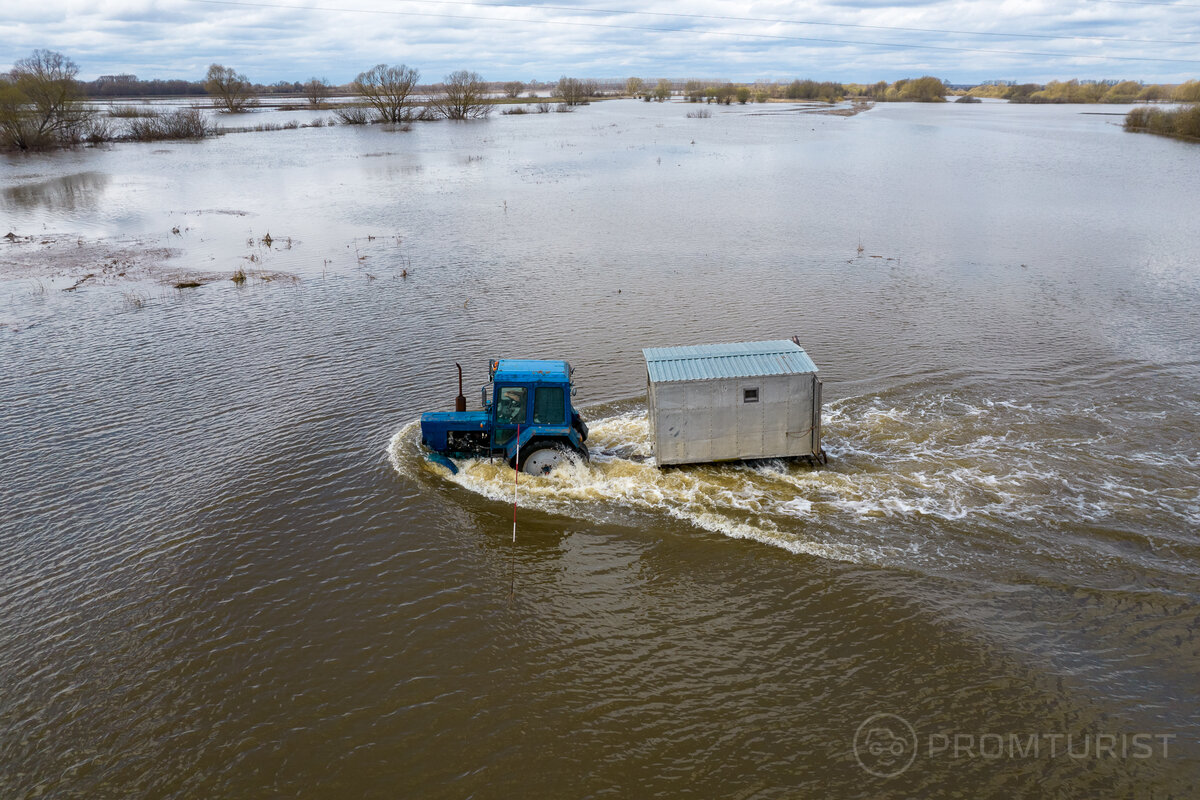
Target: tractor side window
510 406
549 407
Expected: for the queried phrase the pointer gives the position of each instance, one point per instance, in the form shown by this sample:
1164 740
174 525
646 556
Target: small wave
969 465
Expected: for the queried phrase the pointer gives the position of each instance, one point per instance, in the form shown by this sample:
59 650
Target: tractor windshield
510 405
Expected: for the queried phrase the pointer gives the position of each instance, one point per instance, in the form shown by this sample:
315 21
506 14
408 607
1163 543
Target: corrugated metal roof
734 360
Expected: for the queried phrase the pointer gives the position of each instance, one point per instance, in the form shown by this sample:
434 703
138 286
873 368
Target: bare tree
41 103
462 96
634 86
513 89
230 89
663 90
316 90
572 91
387 89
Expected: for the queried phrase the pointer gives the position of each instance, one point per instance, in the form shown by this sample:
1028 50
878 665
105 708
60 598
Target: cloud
853 40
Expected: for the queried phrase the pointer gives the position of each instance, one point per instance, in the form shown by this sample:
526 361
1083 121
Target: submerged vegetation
387 90
182 123
353 114
812 90
130 111
41 104
230 89
1183 123
463 95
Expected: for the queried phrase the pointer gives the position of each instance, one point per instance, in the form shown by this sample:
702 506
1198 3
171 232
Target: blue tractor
529 420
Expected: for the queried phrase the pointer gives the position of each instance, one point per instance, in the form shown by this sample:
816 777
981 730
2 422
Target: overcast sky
848 40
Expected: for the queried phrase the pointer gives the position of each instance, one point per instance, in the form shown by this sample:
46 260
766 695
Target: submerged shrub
353 114
182 123
98 130
130 111
1183 122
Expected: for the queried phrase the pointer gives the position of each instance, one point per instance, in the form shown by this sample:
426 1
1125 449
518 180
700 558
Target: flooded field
229 572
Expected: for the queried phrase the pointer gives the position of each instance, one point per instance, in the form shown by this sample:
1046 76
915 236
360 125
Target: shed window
549 405
749 395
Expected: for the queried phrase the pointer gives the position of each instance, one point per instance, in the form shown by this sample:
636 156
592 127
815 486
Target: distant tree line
1074 91
130 86
1182 122
924 89
114 86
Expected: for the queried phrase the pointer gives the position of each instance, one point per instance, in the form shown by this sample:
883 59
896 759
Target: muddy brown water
226 571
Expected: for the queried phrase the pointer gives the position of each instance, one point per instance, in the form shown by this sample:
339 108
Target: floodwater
227 571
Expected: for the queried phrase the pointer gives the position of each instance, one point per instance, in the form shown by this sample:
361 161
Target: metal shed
724 402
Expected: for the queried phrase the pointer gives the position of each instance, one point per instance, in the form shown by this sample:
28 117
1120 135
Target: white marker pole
516 479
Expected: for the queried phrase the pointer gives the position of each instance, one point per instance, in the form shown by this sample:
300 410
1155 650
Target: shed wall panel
672 424
799 415
750 419
724 422
776 399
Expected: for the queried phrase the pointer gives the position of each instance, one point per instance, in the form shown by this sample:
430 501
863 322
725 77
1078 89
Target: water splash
917 478
622 477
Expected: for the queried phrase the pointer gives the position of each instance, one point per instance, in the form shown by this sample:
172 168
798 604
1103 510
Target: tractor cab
527 418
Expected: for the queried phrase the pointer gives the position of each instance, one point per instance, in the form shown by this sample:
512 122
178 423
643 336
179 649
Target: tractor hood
461 420
435 425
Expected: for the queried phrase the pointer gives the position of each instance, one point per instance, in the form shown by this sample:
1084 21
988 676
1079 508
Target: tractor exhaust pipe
460 402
